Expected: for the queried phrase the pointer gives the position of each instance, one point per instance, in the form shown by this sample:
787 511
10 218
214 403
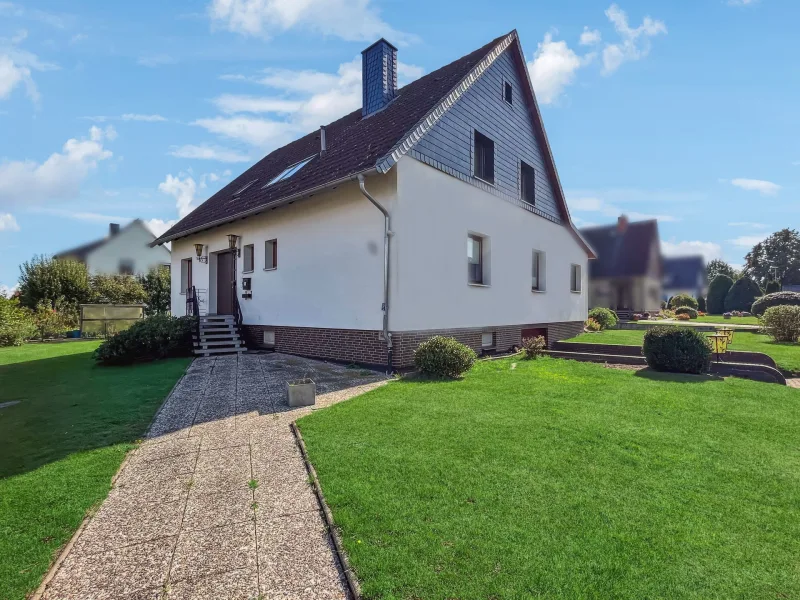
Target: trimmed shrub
779 299
16 323
772 287
534 347
682 300
782 323
153 338
742 295
444 357
686 310
677 349
604 316
591 325
701 304
717 290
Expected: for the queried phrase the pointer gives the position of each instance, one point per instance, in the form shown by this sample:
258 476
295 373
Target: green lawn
60 446
786 355
732 321
559 479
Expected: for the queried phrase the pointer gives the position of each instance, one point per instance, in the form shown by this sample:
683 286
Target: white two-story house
434 209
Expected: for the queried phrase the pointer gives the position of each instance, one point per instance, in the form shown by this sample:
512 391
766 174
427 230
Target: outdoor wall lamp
198 248
232 243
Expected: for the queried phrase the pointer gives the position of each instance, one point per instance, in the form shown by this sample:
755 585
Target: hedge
779 299
715 302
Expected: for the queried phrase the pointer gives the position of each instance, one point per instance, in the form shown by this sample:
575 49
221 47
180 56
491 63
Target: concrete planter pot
302 392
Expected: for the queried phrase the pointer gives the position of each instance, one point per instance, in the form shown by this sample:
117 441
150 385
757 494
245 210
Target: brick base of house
366 346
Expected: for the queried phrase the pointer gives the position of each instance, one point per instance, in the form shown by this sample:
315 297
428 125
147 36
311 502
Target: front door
226 280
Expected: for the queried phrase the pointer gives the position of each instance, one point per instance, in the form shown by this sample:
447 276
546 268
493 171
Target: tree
16 323
117 289
45 279
742 295
720 267
158 287
701 304
54 320
717 290
779 254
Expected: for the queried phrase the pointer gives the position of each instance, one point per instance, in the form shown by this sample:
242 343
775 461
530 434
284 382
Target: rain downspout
387 234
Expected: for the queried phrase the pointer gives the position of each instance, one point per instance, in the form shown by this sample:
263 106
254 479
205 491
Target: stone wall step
207 351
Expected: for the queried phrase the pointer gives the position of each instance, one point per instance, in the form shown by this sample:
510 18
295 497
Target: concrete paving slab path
216 503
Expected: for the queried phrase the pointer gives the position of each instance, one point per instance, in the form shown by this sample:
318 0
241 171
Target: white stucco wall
433 216
330 261
131 243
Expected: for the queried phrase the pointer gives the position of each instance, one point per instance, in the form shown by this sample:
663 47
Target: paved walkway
216 503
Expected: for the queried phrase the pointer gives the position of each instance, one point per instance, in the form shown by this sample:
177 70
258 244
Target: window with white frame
475 267
538 271
270 255
575 278
247 263
186 274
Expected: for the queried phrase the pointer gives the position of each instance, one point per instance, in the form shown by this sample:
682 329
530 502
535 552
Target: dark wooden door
225 282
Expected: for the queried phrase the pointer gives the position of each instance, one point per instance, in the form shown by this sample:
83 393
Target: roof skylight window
289 171
245 187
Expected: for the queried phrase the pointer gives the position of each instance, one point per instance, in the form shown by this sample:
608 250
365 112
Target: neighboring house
684 275
435 209
626 277
790 288
125 250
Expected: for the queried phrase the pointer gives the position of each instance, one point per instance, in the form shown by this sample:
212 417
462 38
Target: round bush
742 295
677 349
159 336
686 310
782 323
682 300
779 299
444 357
717 290
604 316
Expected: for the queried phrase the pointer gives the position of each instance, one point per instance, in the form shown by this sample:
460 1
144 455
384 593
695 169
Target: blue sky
684 110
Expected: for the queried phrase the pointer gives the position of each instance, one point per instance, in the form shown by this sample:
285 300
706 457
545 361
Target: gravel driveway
216 503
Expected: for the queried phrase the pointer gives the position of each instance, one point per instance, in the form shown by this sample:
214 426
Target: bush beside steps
676 349
152 338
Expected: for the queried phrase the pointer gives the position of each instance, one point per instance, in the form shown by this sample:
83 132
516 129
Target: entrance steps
218 335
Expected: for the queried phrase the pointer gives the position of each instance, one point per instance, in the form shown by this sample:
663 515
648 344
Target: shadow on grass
68 405
649 373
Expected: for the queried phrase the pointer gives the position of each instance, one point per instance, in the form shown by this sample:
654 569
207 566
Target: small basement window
484 158
575 278
527 183
508 92
487 340
247 267
270 255
289 171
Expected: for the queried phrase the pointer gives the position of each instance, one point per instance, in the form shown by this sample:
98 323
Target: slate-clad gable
448 145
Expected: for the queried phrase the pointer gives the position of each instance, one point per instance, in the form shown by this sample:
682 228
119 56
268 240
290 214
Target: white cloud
8 222
742 2
57 178
593 204
748 241
10 9
16 67
351 20
145 118
709 250
748 224
553 68
635 42
766 188
91 217
159 226
306 99
182 188
7 292
156 60
205 152
590 37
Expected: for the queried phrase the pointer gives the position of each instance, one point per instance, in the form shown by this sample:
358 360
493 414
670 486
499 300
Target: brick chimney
378 76
113 229
622 224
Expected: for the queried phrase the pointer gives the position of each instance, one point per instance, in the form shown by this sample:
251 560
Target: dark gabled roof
683 271
81 252
622 254
354 145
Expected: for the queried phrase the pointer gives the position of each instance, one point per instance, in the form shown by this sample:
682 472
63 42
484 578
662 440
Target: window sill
575 291
491 183
247 272
271 268
534 291
481 285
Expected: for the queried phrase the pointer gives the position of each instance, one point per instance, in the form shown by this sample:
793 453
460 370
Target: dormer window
289 171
